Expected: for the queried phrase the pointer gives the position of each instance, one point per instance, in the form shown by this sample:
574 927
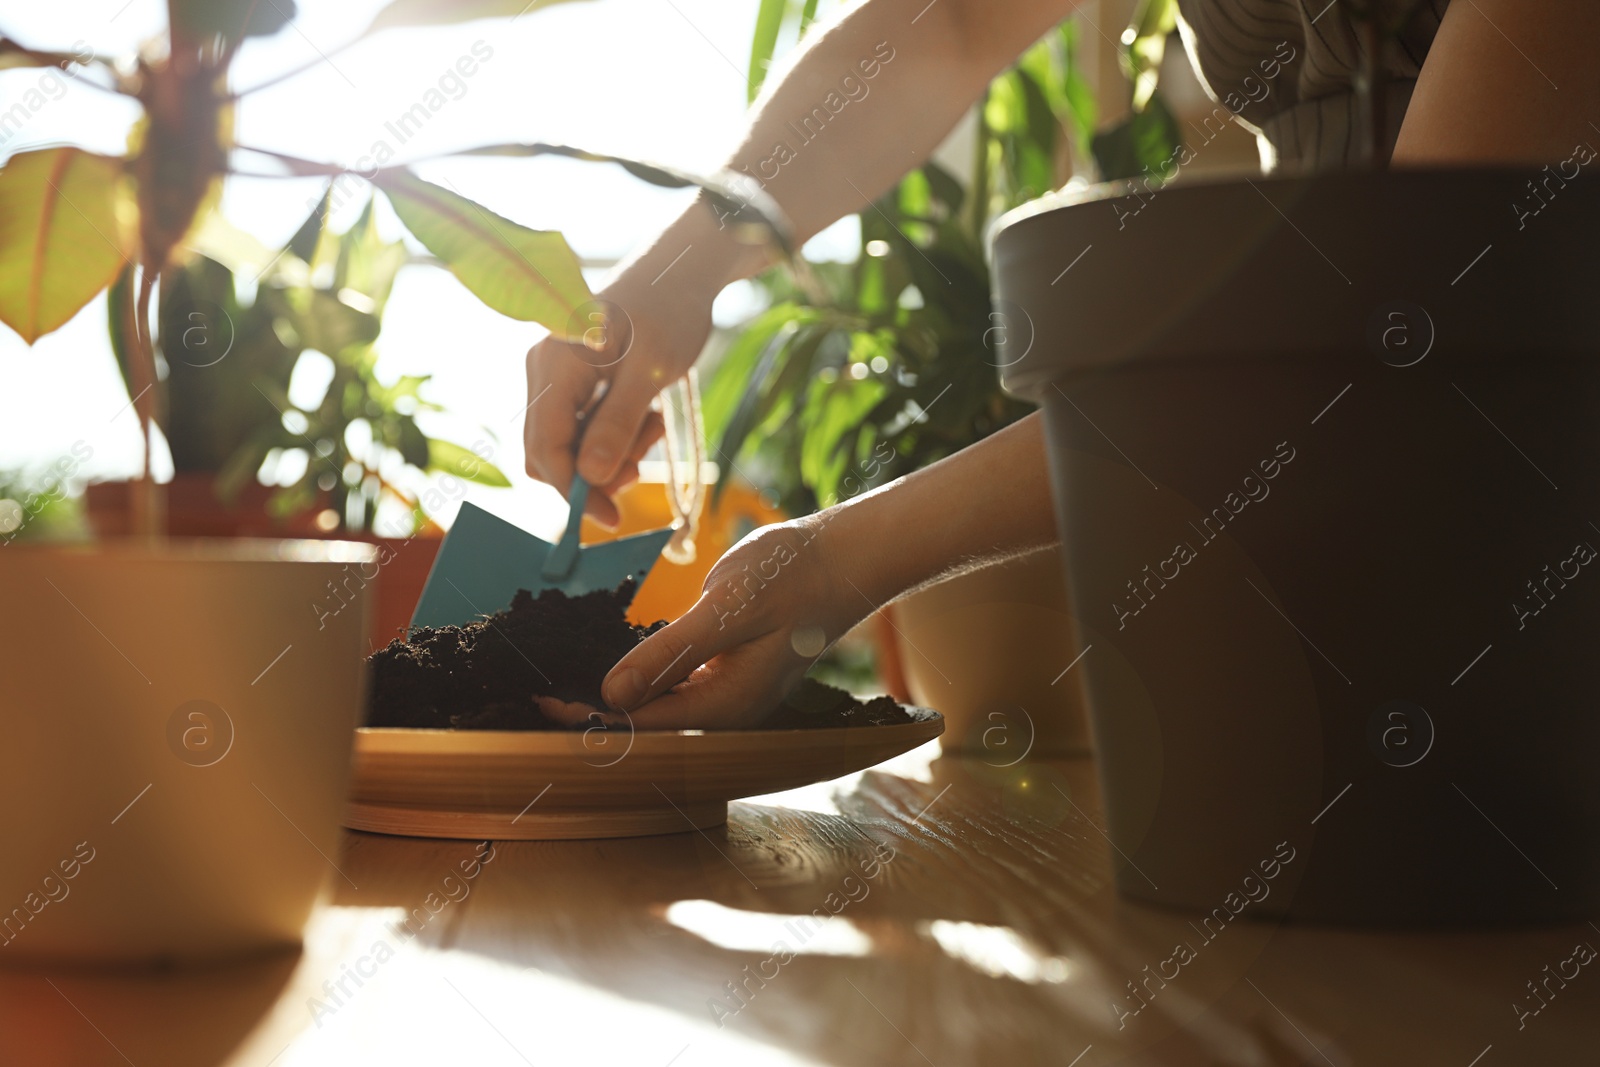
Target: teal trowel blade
484 560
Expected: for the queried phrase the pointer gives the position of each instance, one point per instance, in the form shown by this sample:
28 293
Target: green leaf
198 324
304 241
229 19
872 285
241 467
808 14
276 394
445 12
914 195
1153 21
1142 145
241 252
61 241
769 20
367 263
447 458
1023 129
833 416
758 397
1076 97
735 373
413 444
321 320
802 358
798 362
944 188
531 275
407 385
119 310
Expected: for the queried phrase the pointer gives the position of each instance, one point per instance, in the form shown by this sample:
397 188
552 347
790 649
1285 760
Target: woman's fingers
603 506
737 689
618 422
603 509
560 385
628 473
667 656
566 713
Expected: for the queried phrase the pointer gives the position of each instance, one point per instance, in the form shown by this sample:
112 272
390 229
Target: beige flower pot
990 650
178 723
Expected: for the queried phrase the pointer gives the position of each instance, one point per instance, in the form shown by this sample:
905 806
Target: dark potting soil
487 675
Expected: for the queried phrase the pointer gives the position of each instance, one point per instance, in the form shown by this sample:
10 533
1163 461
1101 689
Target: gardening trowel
484 560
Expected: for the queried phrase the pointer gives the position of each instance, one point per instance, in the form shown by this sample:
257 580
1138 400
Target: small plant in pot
226 367
1330 573
227 409
180 693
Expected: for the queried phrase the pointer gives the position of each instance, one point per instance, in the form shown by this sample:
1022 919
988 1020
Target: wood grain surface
929 911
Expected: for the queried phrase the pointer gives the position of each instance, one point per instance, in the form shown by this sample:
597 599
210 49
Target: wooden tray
596 783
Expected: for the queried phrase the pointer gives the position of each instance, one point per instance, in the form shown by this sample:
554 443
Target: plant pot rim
496 742
1296 267
1070 196
209 550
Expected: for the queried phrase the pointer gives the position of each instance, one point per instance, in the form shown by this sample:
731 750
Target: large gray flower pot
1326 461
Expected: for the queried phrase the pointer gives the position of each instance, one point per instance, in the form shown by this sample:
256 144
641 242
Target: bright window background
656 79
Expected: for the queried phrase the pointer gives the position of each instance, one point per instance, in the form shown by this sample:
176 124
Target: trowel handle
559 563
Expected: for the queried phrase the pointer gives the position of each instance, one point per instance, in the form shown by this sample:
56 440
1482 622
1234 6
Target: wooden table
986 932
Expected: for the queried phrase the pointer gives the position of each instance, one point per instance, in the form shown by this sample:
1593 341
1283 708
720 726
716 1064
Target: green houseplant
226 410
858 373
899 348
79 221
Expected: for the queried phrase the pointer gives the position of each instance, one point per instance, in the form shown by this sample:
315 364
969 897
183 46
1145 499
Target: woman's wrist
844 564
698 255
868 556
988 502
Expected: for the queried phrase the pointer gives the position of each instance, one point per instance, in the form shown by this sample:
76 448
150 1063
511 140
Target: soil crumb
489 674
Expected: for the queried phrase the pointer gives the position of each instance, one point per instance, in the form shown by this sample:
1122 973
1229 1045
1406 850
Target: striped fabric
1287 69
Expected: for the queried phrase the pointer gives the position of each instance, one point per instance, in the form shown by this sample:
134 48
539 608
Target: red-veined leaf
530 275
61 240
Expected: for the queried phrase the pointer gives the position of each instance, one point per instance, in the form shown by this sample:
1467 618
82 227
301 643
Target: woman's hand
636 339
924 65
779 598
771 606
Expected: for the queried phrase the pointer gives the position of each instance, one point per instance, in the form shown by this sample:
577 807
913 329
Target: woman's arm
1506 81
859 104
781 596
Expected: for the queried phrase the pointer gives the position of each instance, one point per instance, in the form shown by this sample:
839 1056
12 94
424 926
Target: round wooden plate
598 782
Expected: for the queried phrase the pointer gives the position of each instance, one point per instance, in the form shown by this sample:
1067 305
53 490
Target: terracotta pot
1306 437
176 758
403 566
193 510
985 649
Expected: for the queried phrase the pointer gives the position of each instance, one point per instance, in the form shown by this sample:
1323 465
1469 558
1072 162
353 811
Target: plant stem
62 61
146 520
298 168
293 71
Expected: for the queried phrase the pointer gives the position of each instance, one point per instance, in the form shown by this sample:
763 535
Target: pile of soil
488 675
